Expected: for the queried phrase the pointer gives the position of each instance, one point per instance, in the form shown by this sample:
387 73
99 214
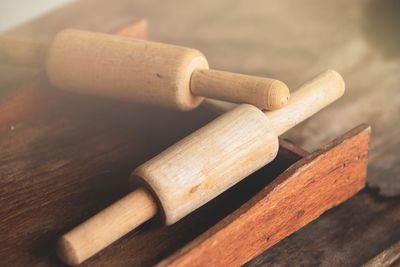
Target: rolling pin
199 167
152 73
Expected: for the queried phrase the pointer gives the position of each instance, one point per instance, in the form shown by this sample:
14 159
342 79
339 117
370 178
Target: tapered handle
106 227
22 53
307 100
264 93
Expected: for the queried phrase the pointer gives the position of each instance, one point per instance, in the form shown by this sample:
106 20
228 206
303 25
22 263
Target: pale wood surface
124 68
209 161
139 71
293 41
310 98
106 226
264 93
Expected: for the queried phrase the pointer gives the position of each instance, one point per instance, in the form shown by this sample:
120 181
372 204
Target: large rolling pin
199 167
152 73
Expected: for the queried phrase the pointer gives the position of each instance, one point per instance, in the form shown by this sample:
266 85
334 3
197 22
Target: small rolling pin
199 167
152 73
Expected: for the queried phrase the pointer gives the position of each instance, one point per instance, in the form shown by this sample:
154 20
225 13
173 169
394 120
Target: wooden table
288 40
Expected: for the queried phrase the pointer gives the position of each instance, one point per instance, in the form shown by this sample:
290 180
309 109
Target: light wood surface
264 93
207 162
283 39
310 98
106 226
123 68
140 71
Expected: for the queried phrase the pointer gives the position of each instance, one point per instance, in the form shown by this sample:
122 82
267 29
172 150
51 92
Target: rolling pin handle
22 53
264 93
106 227
310 98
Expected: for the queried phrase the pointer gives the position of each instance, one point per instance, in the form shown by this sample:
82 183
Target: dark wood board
291 41
390 257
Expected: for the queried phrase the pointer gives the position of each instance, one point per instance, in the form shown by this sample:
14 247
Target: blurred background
18 11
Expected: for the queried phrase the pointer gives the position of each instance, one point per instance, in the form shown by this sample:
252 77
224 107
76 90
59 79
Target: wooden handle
304 102
264 93
307 100
22 53
106 227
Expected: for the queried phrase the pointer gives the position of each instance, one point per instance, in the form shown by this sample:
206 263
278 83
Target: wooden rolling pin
140 71
199 167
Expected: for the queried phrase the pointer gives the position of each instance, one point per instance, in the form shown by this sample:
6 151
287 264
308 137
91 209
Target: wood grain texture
24 102
303 192
264 93
355 45
135 70
390 257
293 42
107 226
124 68
207 162
202 165
72 183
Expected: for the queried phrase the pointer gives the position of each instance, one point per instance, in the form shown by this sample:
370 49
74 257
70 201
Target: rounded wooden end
337 79
277 95
183 98
66 252
105 227
264 93
310 98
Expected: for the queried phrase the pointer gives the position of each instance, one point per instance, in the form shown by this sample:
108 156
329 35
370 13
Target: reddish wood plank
302 193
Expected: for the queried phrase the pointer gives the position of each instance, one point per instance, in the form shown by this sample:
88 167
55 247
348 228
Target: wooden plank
60 170
302 193
251 38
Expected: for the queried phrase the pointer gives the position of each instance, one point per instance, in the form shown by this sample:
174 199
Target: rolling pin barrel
152 73
209 161
124 68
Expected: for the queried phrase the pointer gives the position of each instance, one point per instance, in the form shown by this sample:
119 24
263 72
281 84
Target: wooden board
39 92
389 257
304 191
258 38
62 192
